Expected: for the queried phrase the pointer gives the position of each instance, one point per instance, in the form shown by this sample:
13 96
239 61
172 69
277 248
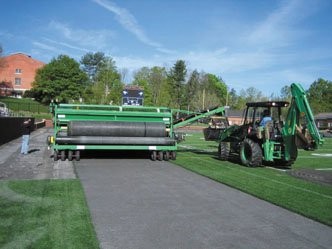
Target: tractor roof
268 104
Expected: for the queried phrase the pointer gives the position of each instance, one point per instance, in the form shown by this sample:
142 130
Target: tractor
271 135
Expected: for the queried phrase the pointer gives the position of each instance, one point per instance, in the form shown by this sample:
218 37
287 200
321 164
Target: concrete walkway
137 203
38 164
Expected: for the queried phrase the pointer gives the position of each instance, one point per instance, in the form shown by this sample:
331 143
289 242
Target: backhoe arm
294 129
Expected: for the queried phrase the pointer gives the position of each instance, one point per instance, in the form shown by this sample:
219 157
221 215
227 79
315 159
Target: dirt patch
317 176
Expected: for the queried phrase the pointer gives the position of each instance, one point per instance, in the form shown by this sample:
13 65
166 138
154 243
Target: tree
141 79
192 91
177 77
92 63
158 85
285 93
61 79
108 86
320 96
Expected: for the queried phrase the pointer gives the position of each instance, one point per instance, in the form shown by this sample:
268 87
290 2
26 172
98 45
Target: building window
18 71
18 81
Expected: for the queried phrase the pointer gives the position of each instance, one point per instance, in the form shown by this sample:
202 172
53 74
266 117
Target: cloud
86 40
66 45
279 28
129 22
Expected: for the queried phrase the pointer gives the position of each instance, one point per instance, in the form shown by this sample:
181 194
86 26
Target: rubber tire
166 155
160 155
55 156
223 151
250 153
173 155
63 155
70 155
77 155
153 155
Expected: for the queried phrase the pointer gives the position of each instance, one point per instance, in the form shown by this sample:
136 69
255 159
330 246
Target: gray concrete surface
137 203
38 164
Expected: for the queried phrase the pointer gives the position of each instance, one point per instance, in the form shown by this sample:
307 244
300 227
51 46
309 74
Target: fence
27 107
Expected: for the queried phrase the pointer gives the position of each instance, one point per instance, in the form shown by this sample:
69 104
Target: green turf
45 214
276 186
24 105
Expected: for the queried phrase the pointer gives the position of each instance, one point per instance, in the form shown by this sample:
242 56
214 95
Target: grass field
276 186
45 214
26 107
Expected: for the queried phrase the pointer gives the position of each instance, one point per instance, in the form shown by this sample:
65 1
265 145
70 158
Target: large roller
99 140
116 129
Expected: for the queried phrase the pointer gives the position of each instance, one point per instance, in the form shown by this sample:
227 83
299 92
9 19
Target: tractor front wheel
250 153
223 151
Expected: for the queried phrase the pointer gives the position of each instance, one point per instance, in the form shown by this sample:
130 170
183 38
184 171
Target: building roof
24 57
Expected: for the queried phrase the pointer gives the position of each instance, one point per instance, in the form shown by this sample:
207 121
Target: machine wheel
63 155
154 155
173 155
55 155
250 153
223 151
160 155
77 155
166 155
70 155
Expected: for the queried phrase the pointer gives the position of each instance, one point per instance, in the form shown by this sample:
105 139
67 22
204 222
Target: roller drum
99 140
116 129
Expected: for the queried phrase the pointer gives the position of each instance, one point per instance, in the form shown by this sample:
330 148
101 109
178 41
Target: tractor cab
264 119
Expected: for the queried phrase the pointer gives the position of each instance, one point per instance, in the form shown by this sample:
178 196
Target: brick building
17 72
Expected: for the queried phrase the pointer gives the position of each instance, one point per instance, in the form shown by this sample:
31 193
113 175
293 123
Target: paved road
137 203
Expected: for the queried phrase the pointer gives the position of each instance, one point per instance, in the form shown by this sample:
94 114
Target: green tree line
95 79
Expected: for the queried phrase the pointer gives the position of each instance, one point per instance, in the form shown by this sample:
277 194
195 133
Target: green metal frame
64 113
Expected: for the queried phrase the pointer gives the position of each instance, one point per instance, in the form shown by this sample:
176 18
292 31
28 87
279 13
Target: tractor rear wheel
223 151
250 153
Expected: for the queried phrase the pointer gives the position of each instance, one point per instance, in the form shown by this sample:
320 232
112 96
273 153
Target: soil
317 176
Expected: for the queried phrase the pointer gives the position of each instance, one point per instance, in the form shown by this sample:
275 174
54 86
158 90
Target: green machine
103 127
79 127
278 140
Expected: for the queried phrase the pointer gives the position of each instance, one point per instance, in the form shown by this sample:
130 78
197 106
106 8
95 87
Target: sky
265 44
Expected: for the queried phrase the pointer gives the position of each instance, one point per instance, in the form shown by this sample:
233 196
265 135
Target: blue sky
264 44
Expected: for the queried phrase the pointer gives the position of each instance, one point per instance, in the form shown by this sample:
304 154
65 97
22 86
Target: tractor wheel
154 155
250 153
70 155
63 155
223 151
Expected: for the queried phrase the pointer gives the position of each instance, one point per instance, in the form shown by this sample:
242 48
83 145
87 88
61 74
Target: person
266 118
26 128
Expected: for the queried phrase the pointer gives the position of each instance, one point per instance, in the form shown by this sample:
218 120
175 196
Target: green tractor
266 137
